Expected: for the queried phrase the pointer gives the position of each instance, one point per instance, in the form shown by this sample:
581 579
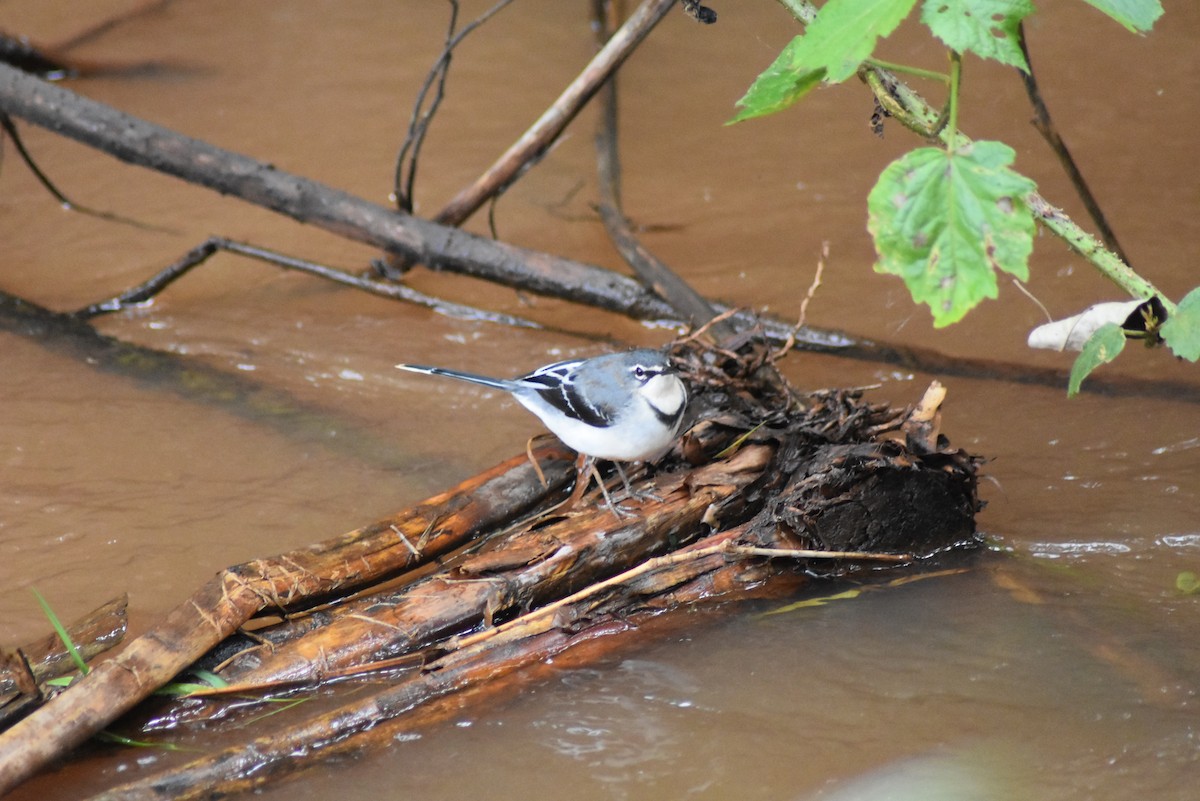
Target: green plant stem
913 112
905 69
1092 249
802 10
951 132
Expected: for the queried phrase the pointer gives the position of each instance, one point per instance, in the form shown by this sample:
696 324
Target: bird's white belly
619 442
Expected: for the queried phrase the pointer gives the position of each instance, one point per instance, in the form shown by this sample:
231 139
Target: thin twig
418 126
535 141
202 252
10 128
1045 126
790 342
651 270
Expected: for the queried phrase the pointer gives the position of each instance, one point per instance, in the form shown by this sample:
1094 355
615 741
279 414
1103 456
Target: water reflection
944 777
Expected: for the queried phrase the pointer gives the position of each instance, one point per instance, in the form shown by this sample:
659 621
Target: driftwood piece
294 580
793 484
24 670
760 474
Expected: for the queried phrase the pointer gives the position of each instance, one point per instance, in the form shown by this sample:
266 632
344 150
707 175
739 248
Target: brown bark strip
289 581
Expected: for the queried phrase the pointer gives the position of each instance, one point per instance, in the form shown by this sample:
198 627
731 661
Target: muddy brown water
1063 666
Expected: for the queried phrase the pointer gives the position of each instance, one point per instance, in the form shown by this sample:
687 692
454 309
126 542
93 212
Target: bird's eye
639 372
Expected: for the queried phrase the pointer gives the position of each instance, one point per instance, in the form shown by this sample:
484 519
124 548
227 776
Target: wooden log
25 670
289 581
830 479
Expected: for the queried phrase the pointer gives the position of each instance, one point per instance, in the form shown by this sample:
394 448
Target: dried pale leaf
1071 332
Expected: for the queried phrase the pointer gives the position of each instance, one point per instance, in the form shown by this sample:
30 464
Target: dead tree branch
209 247
535 141
652 271
148 145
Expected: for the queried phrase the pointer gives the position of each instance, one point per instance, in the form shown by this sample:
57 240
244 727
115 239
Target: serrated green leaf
987 28
841 37
779 86
1181 331
946 221
1138 16
1101 348
845 32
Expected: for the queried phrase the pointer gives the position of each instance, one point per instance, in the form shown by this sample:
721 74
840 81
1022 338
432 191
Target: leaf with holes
946 221
841 37
987 28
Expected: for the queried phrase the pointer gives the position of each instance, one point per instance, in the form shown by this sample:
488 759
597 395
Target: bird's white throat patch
665 393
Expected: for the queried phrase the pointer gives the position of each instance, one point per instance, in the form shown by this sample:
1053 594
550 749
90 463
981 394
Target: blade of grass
62 633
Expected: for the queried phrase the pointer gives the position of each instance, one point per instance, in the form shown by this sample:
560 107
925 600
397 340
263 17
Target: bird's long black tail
495 383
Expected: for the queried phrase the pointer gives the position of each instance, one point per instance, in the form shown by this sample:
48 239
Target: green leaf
778 87
63 635
841 37
1181 331
120 739
810 603
845 32
1138 16
1101 348
987 28
1187 583
946 221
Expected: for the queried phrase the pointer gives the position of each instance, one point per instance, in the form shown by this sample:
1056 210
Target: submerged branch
206 249
145 144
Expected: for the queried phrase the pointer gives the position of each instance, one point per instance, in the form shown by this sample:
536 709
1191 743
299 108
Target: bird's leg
624 479
630 493
617 511
585 471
